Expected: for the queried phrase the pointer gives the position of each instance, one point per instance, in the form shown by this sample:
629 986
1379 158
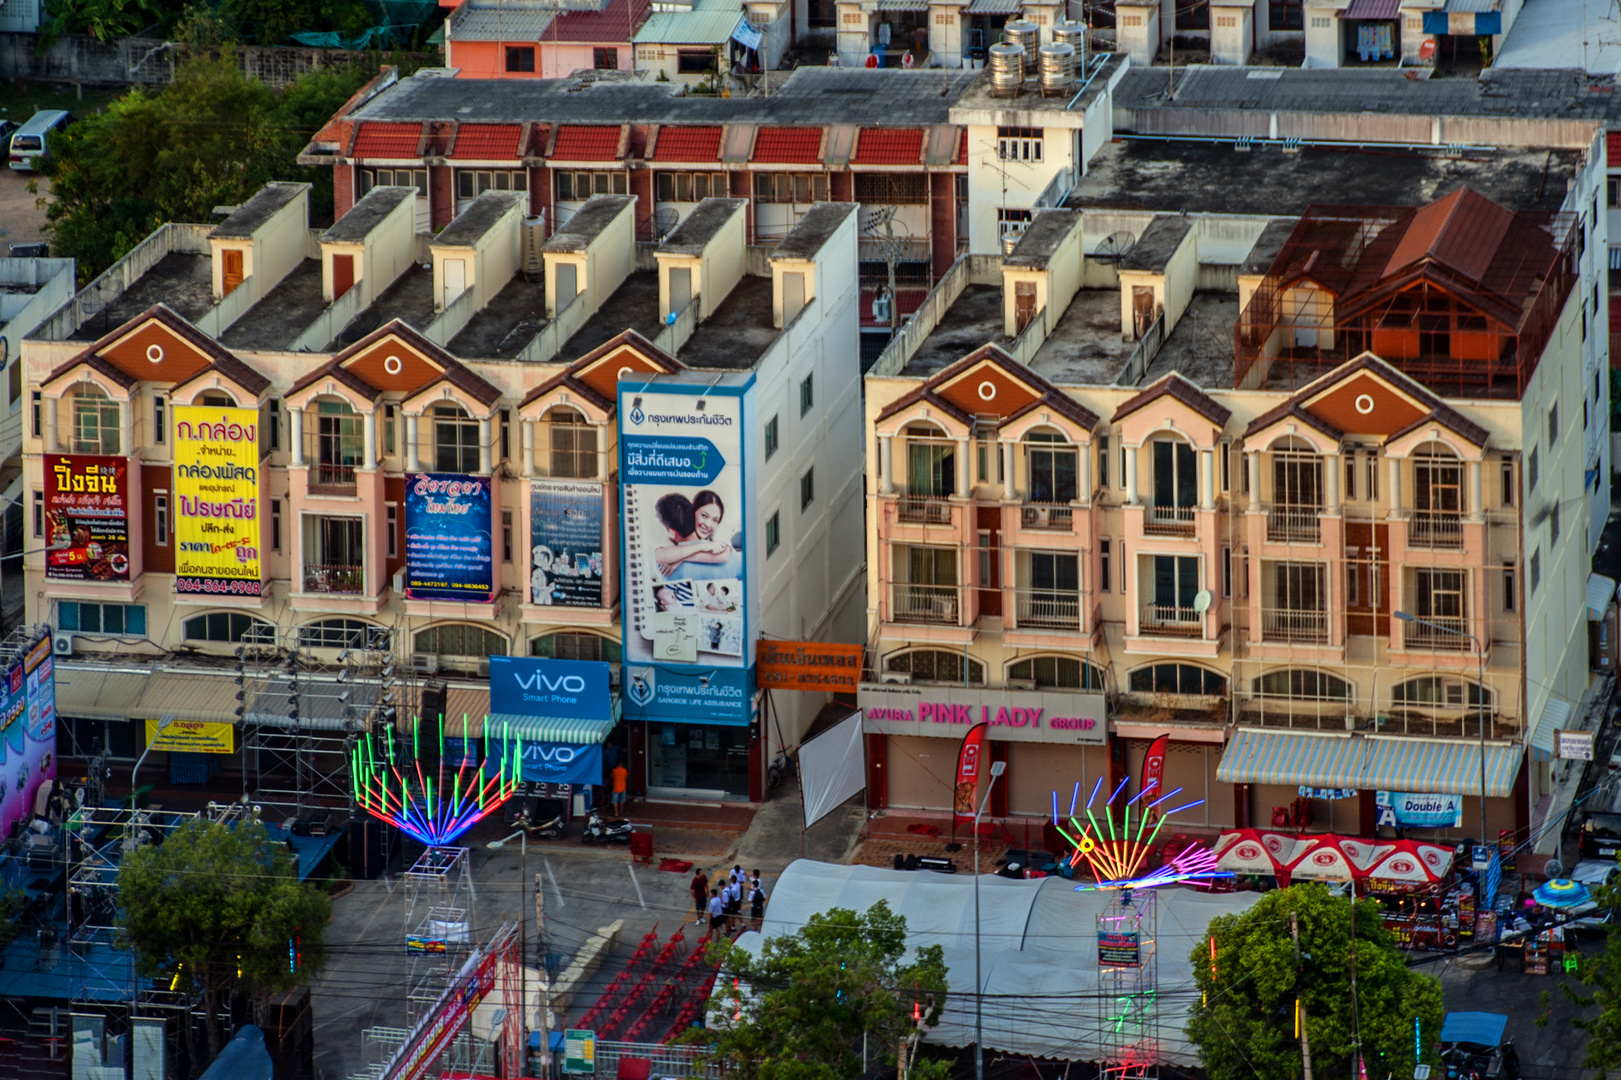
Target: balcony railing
938 604
1047 608
1435 529
1294 524
924 510
329 479
1169 520
1060 517
1172 620
333 578
1416 635
1298 627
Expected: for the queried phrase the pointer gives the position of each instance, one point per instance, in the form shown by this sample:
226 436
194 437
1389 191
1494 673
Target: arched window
1177 679
460 639
573 444
577 647
1301 684
95 422
1440 692
342 634
216 399
936 665
1437 497
455 440
229 627
1175 475
1058 672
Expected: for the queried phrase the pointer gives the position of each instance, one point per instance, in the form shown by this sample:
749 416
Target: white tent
1038 949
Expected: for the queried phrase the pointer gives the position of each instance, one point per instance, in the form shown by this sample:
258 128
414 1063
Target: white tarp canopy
1038 950
832 767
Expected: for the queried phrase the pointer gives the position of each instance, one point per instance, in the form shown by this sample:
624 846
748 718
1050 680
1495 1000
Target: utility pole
1300 1008
545 988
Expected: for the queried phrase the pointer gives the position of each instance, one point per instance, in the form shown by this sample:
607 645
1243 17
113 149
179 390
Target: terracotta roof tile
487 142
889 146
586 142
788 146
688 144
379 140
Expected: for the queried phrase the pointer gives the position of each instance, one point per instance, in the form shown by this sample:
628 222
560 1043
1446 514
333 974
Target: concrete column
886 464
1394 494
48 408
602 451
484 447
1083 473
126 427
413 460
1252 462
526 443
1475 507
1331 483
1008 490
295 429
368 459
1131 474
1207 479
963 473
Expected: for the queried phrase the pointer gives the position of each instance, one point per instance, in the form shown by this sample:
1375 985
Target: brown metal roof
1182 390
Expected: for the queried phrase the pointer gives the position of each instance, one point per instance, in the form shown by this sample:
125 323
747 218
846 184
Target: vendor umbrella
1561 893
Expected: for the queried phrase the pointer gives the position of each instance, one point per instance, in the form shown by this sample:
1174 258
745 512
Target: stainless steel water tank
1055 69
1007 68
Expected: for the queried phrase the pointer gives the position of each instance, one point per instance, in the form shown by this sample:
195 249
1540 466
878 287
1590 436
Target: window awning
1289 758
92 692
1438 766
1373 9
1600 591
552 729
1555 717
209 698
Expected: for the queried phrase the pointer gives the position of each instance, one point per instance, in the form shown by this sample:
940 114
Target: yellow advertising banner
196 736
216 481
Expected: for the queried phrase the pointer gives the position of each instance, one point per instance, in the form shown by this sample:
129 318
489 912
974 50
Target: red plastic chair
641 846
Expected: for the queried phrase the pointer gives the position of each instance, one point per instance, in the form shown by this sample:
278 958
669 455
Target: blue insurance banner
717 695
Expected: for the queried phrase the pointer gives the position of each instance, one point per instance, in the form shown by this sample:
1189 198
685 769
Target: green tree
218 906
104 20
1601 974
1244 1022
210 138
798 1011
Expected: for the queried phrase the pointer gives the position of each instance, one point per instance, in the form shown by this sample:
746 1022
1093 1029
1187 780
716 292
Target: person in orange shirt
621 777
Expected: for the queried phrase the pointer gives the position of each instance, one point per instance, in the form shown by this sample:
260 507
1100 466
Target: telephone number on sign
237 588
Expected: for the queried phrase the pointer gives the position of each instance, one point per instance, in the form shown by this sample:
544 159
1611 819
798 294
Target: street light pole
1480 698
523 938
997 768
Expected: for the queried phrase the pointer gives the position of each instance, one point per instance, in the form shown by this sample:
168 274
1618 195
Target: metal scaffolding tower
439 898
1128 986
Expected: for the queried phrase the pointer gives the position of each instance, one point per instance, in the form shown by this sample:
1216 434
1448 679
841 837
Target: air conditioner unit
900 678
1021 684
425 663
62 644
399 580
484 667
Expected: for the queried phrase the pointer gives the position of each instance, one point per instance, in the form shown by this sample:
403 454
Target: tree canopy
1244 1022
1601 975
210 138
799 1010
218 906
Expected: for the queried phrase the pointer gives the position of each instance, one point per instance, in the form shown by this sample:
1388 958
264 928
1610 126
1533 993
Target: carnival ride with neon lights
433 812
1117 860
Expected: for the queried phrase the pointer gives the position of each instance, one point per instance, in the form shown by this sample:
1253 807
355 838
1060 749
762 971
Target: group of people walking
722 904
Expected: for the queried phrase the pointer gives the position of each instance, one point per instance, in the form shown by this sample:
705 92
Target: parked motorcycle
537 817
548 828
606 831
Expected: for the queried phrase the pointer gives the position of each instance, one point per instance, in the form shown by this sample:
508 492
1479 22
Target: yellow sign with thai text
216 513
195 736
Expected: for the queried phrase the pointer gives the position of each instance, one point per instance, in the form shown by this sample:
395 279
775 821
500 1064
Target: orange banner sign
807 665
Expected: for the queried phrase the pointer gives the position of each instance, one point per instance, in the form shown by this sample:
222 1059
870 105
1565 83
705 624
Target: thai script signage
448 551
807 665
216 513
86 518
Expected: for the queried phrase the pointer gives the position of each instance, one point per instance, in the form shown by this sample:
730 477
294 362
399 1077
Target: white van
29 141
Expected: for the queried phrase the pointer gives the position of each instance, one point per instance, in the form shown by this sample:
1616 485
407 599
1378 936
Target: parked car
1593 873
1601 836
28 142
31 250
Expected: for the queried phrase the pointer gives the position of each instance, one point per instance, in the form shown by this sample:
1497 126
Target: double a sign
560 689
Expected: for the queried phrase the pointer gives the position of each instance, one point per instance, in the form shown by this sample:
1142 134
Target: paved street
22 221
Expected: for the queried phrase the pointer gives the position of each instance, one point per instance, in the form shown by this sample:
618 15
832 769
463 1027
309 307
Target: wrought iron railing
334 578
1047 608
1293 625
940 604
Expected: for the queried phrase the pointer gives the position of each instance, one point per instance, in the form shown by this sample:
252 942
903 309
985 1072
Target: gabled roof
580 370
448 368
231 368
94 363
211 355
1461 231
1178 387
1044 394
617 21
332 369
1291 410
924 395
1431 408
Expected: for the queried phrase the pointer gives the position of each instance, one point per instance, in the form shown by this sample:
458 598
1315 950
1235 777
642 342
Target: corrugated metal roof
553 729
1283 757
94 693
1446 767
1555 717
688 28
1461 231
1373 9
1474 6
498 24
1600 591
993 7
188 697
616 22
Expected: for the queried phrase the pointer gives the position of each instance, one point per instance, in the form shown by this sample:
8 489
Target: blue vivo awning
1284 757
1439 766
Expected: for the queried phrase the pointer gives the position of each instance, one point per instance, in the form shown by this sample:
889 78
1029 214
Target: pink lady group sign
1013 715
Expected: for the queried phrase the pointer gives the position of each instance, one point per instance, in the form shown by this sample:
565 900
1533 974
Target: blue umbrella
1561 893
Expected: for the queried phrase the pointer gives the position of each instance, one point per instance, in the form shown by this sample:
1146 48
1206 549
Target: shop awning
1373 9
1286 757
1478 18
93 692
210 698
1443 767
1555 717
1600 591
554 729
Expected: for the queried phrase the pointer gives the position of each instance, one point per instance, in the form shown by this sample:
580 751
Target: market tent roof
1038 950
1322 861
1243 851
1448 767
1291 759
94 692
1363 854
1480 1028
1404 867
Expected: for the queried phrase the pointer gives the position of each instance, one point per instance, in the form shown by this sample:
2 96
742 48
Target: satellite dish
665 219
1201 601
1115 246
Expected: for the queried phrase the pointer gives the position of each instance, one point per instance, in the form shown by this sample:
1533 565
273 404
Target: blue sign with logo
1409 810
653 459
548 762
562 689
448 554
680 692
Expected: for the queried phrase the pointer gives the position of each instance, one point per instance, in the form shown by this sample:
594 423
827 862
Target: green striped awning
1440 766
550 729
1291 758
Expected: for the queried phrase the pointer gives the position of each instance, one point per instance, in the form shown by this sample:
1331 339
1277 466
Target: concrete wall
602 267
1232 32
385 254
489 264
274 251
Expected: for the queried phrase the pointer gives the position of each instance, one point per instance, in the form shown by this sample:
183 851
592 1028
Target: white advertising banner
832 767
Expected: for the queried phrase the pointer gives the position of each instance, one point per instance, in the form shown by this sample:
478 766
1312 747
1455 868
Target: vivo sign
562 689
